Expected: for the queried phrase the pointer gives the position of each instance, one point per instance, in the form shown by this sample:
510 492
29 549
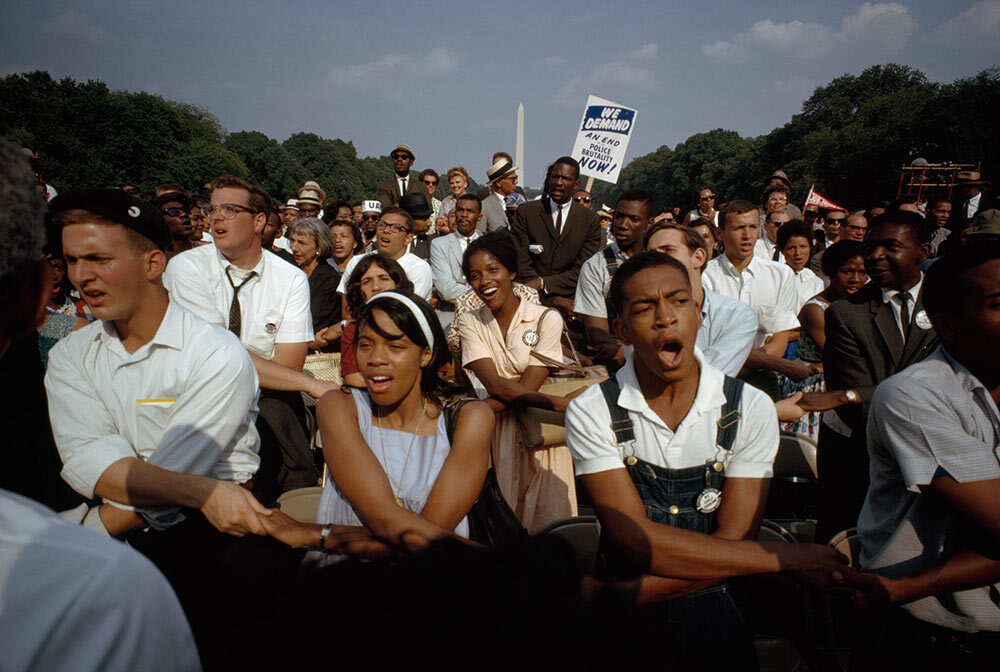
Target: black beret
118 206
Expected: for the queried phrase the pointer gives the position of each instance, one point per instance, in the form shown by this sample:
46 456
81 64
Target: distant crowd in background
370 422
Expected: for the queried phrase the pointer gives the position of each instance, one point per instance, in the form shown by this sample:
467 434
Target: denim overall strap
612 263
729 421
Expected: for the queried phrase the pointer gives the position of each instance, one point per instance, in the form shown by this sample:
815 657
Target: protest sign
603 138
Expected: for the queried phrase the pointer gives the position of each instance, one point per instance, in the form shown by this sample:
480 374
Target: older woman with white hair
311 246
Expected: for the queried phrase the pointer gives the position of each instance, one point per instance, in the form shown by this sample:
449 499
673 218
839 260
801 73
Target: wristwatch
852 396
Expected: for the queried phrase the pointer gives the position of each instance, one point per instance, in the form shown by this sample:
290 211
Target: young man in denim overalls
676 458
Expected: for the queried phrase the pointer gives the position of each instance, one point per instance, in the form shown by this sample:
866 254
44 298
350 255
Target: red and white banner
819 201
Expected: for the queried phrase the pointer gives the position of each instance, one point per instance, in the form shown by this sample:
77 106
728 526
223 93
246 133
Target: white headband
413 308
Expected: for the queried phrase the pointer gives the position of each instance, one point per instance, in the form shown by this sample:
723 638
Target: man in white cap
502 178
392 188
371 212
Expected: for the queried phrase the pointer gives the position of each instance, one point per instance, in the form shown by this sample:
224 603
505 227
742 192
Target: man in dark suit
390 189
870 335
555 236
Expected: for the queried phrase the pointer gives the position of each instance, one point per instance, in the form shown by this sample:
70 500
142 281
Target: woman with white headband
396 481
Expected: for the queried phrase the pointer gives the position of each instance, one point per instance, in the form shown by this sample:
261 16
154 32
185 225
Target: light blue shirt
727 332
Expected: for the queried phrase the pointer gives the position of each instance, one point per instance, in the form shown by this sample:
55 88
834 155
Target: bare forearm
649 588
962 571
129 481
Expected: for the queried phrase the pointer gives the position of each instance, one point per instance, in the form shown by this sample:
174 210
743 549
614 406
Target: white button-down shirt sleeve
592 286
186 402
727 333
296 319
85 432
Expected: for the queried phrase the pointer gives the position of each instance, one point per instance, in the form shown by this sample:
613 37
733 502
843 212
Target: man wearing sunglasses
394 233
392 188
265 302
175 206
371 213
430 179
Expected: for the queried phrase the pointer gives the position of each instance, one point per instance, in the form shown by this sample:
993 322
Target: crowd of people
499 367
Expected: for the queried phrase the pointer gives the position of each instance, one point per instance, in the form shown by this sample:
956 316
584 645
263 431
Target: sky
446 77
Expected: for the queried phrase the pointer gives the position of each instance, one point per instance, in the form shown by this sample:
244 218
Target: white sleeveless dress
414 478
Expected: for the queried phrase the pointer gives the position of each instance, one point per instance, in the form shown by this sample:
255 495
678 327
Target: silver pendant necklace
396 487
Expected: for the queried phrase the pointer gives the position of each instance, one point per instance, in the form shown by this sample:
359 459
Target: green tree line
850 140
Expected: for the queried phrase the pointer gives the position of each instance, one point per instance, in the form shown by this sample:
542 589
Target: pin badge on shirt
270 327
530 338
922 320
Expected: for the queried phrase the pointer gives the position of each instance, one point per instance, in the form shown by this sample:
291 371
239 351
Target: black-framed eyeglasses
711 197
583 199
228 210
395 227
400 155
174 212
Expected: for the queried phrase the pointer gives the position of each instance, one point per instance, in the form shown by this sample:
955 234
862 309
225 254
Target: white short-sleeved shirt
417 271
593 284
77 601
766 286
594 447
807 285
933 414
765 249
727 332
274 305
513 353
186 401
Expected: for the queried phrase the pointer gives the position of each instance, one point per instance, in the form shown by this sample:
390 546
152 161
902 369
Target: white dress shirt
417 271
595 449
807 285
554 211
75 601
765 249
727 332
892 297
766 286
593 284
186 401
274 305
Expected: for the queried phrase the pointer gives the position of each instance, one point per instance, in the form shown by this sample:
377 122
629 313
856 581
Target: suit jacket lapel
885 323
916 337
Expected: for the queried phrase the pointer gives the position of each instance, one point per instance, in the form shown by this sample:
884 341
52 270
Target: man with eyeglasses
265 302
394 235
174 207
392 188
430 179
371 213
485 191
854 226
583 197
706 207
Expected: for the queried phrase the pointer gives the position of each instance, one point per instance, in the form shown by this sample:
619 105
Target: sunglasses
582 199
370 218
400 155
707 198
431 183
174 212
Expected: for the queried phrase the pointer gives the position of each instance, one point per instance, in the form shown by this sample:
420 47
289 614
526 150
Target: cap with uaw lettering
114 204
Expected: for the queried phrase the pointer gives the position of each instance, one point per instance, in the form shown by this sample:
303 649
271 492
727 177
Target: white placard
603 138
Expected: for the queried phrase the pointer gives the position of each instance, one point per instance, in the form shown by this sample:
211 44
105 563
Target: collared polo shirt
274 305
766 286
594 283
595 449
933 414
186 401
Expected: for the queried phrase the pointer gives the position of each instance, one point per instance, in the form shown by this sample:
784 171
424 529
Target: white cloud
622 73
884 27
979 25
646 52
553 61
74 26
568 92
438 61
